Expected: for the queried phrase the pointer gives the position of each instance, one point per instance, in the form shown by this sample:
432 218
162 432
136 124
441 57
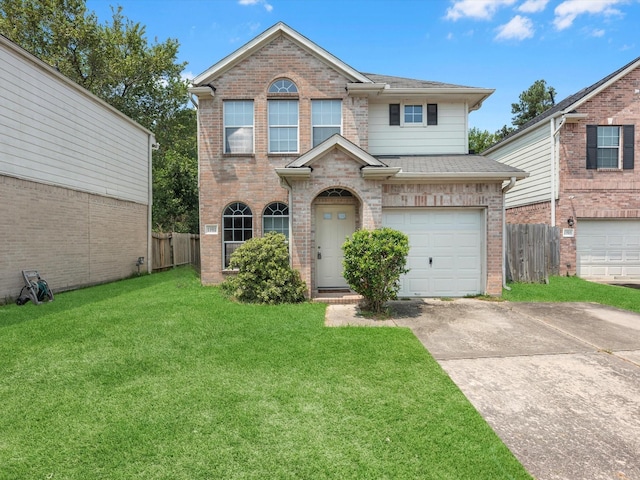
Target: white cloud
518 28
598 33
267 6
533 6
477 9
450 36
568 11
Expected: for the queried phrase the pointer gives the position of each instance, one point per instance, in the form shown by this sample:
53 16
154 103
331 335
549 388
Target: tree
373 263
480 140
535 100
116 62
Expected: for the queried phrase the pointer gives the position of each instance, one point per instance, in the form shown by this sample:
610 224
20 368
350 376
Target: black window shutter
394 114
628 147
432 114
592 146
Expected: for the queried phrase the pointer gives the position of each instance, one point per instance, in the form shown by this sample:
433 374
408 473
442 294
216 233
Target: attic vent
336 192
211 229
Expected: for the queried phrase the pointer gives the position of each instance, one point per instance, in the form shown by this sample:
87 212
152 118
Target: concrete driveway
559 383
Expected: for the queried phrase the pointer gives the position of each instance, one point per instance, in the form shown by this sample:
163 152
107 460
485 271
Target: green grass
157 377
574 289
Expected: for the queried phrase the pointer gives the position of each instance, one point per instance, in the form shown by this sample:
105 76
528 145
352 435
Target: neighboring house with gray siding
75 180
580 155
293 139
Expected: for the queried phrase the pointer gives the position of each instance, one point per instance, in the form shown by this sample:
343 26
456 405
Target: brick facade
72 238
590 193
252 180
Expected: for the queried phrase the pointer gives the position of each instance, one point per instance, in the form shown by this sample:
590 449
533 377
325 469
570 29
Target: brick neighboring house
580 155
75 180
293 139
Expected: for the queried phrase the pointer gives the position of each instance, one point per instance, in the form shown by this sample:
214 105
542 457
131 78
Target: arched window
276 219
284 85
335 192
283 116
237 221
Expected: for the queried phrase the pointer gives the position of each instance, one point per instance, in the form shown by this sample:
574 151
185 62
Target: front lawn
158 377
574 289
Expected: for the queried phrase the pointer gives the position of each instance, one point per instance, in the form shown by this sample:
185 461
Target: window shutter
432 114
628 147
592 146
394 114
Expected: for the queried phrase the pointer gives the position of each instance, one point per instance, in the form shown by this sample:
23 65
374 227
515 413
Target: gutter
554 152
505 189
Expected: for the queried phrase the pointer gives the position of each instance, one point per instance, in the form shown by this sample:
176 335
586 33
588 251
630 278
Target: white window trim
619 147
225 126
412 124
341 126
297 126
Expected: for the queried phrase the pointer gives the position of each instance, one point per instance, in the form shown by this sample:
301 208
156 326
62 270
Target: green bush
264 274
373 263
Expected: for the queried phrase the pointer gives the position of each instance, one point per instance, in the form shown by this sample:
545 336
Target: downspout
152 146
284 183
505 189
554 139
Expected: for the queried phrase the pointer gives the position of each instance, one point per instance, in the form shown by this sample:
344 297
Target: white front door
334 223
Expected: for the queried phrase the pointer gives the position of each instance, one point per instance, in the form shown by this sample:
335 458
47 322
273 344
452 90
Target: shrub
264 274
373 263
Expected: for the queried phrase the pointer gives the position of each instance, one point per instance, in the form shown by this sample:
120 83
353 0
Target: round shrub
264 274
373 263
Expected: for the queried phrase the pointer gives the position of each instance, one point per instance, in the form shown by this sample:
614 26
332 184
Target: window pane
608 136
238 140
413 114
283 113
326 112
320 134
608 158
283 139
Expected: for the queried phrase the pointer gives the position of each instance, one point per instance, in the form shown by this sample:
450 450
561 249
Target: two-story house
293 139
583 178
75 180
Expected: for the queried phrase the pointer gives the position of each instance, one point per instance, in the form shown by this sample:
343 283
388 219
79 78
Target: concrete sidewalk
559 383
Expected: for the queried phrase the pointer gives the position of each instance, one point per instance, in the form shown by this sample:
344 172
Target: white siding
54 133
449 136
531 153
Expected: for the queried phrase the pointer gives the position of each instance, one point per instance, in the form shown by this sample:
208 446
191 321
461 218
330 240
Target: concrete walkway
559 383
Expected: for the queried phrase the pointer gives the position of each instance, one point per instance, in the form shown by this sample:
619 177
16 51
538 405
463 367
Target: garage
446 250
608 249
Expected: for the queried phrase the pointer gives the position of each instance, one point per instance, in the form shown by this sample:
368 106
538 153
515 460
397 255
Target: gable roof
570 103
277 30
361 83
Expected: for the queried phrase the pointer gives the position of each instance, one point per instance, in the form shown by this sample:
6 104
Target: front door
334 223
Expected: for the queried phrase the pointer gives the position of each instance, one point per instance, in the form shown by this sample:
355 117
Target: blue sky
501 44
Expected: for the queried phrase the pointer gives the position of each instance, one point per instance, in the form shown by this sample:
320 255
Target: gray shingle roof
449 164
400 82
567 102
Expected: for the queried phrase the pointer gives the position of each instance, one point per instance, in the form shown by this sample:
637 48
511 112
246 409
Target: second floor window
610 147
283 126
326 119
238 126
413 114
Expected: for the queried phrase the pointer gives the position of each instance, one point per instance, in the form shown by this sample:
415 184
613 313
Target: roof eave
264 38
475 177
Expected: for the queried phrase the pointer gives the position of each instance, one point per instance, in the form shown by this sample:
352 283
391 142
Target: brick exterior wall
228 178
251 179
72 238
588 193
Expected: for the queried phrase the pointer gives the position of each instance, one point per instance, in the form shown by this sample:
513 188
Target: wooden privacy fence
173 249
532 252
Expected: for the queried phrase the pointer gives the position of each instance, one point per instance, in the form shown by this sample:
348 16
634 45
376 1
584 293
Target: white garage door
608 249
446 251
